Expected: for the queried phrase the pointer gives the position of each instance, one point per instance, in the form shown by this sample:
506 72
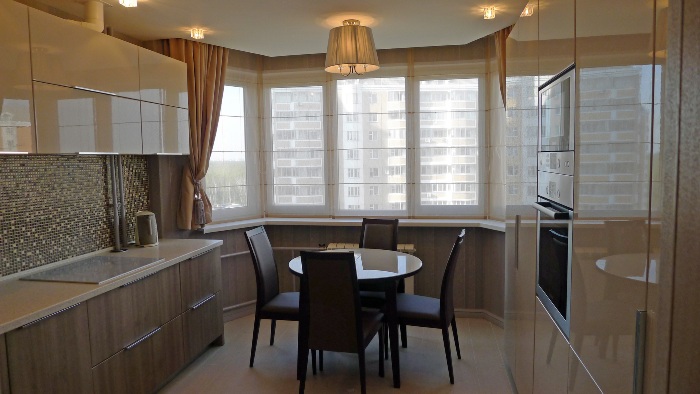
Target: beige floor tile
423 366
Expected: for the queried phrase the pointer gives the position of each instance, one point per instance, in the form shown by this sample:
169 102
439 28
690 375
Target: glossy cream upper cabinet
72 120
165 129
70 55
163 79
16 112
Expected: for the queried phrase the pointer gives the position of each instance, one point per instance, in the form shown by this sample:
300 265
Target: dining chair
331 317
380 234
420 311
270 304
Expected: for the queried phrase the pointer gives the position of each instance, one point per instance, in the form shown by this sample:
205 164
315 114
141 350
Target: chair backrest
447 308
330 301
379 234
264 264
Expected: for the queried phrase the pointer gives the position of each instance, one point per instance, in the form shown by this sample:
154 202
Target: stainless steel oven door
554 253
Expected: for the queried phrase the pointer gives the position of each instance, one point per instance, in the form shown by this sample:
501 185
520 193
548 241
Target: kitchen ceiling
288 27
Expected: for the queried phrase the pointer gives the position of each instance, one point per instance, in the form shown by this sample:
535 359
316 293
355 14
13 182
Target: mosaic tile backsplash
56 207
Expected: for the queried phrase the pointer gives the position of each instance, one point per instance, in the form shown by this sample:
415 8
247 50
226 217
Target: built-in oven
554 247
555 195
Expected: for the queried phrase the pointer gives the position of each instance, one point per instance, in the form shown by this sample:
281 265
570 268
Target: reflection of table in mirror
380 266
632 266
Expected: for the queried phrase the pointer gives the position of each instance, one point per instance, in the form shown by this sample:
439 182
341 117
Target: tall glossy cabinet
521 184
620 69
16 106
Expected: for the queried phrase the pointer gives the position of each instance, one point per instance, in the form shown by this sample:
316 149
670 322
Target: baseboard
480 314
237 311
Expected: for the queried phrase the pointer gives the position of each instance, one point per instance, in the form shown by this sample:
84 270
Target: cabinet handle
137 280
31 323
204 301
94 90
639 349
517 241
143 338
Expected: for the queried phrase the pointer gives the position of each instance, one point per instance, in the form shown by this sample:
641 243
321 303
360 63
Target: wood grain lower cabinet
145 365
4 374
52 354
202 325
123 315
200 278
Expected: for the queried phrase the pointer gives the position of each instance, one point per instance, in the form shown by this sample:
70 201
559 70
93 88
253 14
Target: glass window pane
371 144
226 179
448 142
297 146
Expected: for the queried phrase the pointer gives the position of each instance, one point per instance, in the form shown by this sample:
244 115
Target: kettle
146 229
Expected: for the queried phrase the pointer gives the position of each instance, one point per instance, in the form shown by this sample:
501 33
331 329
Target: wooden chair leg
448 352
363 378
456 338
272 332
313 361
404 340
382 340
256 330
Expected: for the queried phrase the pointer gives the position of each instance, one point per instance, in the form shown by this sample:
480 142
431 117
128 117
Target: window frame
254 207
267 155
478 209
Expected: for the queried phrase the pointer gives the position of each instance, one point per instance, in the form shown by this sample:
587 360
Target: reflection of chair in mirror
331 316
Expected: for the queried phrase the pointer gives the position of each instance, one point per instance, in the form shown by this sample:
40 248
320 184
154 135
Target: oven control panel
556 162
556 187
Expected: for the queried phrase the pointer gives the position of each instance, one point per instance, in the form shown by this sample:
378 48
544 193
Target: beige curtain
206 75
501 37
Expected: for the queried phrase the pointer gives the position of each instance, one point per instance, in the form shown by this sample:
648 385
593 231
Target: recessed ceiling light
489 12
528 10
129 3
197 33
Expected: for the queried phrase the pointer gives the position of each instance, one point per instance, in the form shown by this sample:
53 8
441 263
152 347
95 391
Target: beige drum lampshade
351 49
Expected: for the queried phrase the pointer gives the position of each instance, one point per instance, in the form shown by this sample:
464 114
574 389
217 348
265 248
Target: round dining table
380 266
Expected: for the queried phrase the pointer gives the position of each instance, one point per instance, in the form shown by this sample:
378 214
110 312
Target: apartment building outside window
296 165
448 145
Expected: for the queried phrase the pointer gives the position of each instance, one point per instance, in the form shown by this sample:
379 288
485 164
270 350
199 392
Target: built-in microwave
556 112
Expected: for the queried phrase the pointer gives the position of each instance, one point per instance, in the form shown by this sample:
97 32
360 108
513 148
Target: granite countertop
23 301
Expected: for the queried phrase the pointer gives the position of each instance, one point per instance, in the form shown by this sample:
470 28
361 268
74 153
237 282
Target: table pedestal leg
391 318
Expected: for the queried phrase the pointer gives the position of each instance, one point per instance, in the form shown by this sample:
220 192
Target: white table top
375 264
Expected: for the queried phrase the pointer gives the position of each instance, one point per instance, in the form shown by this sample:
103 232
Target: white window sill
494 225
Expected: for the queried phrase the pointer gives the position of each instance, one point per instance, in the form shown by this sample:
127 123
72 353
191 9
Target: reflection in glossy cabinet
16 112
165 129
551 362
522 304
51 355
163 79
125 314
143 366
71 55
72 120
580 381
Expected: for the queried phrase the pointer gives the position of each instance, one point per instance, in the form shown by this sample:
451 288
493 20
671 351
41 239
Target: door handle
517 241
551 213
